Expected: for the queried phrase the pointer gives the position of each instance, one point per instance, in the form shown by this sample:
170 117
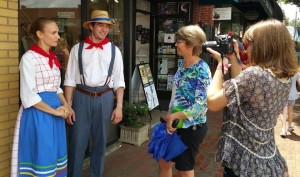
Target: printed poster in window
143 74
163 66
222 13
168 25
149 74
161 8
181 22
169 38
170 82
171 8
171 65
151 96
162 82
184 7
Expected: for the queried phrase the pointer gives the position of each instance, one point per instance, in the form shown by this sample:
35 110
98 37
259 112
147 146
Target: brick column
196 12
206 12
9 80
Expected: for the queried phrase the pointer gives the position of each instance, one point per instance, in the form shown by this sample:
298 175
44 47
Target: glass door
66 13
170 16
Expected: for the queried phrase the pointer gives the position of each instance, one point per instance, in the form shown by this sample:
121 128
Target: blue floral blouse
247 144
189 93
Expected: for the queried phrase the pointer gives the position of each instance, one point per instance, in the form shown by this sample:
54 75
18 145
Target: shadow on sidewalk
294 135
134 161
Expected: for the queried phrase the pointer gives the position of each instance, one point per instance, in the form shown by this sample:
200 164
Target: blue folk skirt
42 141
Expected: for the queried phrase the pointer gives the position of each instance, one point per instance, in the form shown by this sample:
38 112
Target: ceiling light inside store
116 1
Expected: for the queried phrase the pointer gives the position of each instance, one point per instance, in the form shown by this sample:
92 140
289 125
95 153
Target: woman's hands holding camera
231 56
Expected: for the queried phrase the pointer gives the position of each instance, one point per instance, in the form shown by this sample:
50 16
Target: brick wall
206 12
9 80
202 13
196 12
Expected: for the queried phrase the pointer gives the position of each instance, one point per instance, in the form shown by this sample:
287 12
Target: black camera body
222 44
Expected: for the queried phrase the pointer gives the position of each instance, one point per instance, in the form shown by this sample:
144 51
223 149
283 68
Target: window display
170 17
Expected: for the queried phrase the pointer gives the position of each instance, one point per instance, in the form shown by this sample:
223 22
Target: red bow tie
51 55
92 44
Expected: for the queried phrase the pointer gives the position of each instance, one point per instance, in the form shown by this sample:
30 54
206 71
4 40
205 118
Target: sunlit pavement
134 161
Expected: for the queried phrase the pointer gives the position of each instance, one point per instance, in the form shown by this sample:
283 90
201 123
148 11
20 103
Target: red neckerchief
92 44
51 55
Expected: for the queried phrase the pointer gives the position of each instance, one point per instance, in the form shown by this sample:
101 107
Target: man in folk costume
94 74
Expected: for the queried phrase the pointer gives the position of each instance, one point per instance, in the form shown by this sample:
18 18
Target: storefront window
67 14
235 25
115 9
222 27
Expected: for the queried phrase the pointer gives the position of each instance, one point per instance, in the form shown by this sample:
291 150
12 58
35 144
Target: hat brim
86 24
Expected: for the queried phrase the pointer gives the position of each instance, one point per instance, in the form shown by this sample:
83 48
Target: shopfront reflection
66 13
68 16
115 9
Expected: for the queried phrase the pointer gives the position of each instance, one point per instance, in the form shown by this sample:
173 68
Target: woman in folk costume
39 147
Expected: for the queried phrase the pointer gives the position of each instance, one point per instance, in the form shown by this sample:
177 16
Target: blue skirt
42 141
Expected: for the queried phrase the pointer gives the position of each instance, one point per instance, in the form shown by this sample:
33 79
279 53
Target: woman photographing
253 99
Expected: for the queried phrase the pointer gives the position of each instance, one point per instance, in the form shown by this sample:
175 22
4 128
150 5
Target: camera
222 44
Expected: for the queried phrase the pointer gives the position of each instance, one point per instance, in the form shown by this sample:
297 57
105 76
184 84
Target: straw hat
98 16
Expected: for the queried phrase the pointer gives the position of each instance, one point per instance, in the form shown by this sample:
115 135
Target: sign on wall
222 13
66 14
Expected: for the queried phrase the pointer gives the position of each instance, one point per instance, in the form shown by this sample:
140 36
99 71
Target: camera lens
210 44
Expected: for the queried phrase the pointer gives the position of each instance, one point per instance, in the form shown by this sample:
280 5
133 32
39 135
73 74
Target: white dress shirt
95 63
36 76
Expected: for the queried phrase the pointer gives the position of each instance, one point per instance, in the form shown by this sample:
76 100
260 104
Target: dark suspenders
111 65
80 62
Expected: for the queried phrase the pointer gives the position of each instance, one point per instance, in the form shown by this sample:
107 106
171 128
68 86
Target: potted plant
134 130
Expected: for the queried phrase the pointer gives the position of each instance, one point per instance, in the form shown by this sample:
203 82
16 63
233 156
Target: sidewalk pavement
134 161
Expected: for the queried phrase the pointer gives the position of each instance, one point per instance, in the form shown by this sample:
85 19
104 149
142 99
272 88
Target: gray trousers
93 116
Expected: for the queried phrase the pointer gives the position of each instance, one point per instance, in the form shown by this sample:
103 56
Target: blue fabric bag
164 145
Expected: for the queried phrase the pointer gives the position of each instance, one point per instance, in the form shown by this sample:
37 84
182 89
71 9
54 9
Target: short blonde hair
194 36
272 47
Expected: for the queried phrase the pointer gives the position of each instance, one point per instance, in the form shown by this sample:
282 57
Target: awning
278 14
266 4
217 2
265 8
